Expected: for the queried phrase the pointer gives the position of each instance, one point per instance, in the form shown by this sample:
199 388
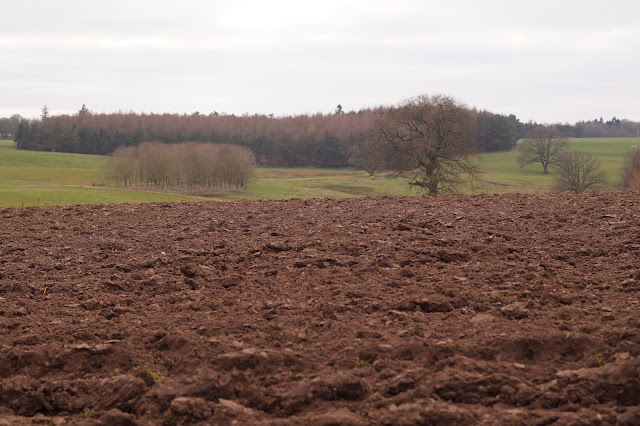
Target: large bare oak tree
430 139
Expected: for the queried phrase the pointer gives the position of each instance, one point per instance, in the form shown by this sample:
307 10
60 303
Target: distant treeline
324 140
320 140
9 126
599 128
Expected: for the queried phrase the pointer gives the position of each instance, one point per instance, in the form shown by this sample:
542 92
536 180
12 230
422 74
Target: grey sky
549 61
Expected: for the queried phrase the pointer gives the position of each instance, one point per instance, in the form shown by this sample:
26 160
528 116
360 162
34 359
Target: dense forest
325 140
338 139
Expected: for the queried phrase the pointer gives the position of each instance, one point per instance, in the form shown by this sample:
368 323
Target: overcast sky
545 60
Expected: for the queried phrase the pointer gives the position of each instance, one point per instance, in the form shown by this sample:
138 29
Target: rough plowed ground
510 309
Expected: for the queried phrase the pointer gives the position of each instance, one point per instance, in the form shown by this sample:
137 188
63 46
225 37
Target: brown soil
510 309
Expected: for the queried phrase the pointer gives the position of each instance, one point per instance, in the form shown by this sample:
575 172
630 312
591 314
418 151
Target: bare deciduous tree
182 165
631 170
363 155
578 171
431 139
122 166
543 145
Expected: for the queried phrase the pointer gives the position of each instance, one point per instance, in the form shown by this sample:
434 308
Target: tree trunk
433 187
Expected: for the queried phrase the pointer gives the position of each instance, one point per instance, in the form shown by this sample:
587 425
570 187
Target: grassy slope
305 183
501 168
29 178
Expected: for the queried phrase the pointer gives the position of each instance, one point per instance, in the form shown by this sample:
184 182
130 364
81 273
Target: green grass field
284 183
502 174
29 178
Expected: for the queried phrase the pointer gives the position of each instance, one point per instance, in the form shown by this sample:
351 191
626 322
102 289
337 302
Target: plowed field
510 309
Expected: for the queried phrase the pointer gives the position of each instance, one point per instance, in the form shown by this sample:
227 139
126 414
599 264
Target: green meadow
284 183
502 174
29 178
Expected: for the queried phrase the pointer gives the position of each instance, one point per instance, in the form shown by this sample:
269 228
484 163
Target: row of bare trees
185 165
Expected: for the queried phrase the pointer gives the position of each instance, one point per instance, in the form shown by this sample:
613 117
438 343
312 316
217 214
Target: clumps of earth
508 309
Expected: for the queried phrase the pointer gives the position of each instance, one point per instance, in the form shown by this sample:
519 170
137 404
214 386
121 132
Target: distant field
284 183
505 175
38 178
47 178
29 178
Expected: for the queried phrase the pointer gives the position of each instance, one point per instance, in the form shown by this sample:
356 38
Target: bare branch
542 146
431 139
578 172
